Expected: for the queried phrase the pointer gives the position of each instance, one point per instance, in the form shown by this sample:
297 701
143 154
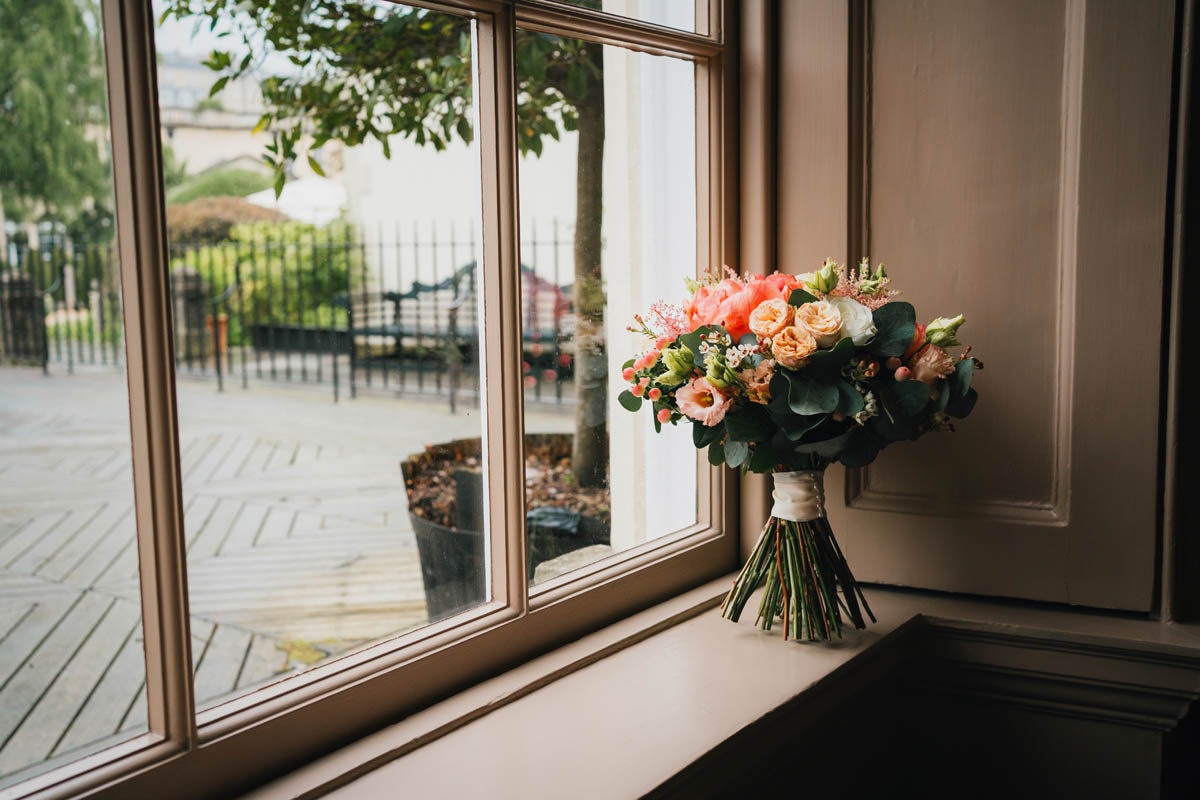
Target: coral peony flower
791 346
729 304
704 307
931 364
702 401
857 320
770 317
822 320
784 284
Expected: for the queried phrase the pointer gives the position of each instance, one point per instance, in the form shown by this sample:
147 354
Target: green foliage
222 182
52 111
174 170
372 71
895 326
290 273
628 401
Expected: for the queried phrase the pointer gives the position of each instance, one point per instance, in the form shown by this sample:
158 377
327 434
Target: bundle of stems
808 582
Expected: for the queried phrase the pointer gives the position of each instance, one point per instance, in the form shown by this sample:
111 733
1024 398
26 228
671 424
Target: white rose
857 320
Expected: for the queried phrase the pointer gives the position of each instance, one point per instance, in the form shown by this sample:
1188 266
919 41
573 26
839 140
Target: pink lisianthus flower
758 381
702 401
931 364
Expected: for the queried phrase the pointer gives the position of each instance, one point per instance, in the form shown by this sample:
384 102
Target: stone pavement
298 539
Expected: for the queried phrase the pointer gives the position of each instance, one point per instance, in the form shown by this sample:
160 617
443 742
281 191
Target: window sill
677 681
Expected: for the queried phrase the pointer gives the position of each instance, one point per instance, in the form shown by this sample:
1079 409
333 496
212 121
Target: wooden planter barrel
452 558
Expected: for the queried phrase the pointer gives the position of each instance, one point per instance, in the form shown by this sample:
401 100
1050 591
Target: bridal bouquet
786 375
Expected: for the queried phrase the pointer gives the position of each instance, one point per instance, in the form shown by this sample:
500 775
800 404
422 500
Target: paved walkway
299 543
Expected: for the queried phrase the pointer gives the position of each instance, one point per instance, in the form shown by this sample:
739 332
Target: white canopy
314 199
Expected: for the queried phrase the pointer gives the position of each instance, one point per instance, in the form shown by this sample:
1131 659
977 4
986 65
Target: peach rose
770 317
822 320
931 364
792 345
702 401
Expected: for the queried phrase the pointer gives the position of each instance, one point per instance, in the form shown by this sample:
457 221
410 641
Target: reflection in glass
608 139
72 669
322 208
678 14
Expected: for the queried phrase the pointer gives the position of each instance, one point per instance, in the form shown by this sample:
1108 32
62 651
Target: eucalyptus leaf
861 448
850 401
895 326
716 454
807 396
799 297
736 453
704 435
829 363
750 424
906 398
762 458
959 381
628 401
963 406
829 448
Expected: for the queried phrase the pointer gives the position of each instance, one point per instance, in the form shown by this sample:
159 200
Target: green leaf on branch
628 401
850 401
861 448
828 363
750 424
906 399
959 381
316 166
799 297
716 454
963 406
829 448
762 459
704 435
895 326
807 396
736 453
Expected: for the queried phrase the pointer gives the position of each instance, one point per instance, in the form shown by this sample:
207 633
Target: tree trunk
590 455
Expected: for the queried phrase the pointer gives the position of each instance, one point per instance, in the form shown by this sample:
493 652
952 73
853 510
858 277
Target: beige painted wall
1013 160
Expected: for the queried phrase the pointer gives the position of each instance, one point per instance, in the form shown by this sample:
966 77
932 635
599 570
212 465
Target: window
381 282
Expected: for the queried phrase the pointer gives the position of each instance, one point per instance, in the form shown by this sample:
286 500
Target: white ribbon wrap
799 496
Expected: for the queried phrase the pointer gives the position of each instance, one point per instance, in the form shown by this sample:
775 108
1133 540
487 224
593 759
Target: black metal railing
292 302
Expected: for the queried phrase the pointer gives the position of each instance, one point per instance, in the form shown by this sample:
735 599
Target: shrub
222 182
290 272
210 219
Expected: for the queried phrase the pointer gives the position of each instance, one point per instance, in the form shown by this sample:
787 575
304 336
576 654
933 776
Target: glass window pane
72 668
323 216
678 14
608 226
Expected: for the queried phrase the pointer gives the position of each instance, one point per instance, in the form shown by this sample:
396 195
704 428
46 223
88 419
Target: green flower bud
719 374
941 332
678 361
875 284
824 280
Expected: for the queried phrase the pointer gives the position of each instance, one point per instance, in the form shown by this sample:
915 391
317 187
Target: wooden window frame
251 738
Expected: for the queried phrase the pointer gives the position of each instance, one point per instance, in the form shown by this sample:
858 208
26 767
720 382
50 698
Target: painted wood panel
1014 169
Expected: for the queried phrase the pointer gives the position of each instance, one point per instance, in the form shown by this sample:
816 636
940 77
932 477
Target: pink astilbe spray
850 285
667 319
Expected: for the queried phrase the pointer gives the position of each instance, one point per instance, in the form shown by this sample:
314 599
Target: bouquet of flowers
786 375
